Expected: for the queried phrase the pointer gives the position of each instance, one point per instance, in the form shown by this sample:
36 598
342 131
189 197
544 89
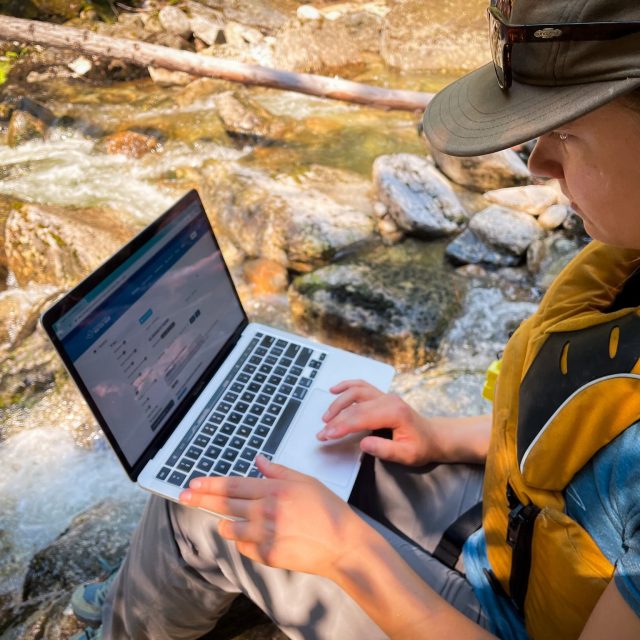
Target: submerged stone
392 302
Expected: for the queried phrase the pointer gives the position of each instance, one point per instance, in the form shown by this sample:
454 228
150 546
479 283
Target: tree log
144 54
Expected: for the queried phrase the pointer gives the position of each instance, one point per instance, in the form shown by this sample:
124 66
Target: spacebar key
281 427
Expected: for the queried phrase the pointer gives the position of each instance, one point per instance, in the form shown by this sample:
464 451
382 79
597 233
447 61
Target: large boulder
435 36
483 173
506 229
393 303
417 196
57 245
533 199
279 220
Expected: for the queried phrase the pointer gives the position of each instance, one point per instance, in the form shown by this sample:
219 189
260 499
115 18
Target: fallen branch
144 54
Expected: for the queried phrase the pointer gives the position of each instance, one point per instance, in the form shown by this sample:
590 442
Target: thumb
386 449
277 471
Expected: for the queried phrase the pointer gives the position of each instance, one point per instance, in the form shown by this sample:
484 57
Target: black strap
522 519
450 546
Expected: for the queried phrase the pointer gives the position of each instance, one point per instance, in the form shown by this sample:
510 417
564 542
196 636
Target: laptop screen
143 335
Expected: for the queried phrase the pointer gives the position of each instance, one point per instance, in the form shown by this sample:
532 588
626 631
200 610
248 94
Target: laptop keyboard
249 413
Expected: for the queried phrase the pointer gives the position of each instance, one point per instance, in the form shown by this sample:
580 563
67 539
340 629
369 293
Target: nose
545 159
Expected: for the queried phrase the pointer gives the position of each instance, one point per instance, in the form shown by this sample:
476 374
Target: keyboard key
254 473
208 429
237 443
194 452
280 398
260 377
212 452
254 386
224 407
220 440
222 467
276 351
237 387
280 371
274 409
249 454
227 428
249 368
230 454
276 380
292 350
230 397
250 419
216 418
269 389
292 380
201 441
281 426
177 478
193 476
306 382
300 393
241 466
242 407
267 341
248 397
322 356
265 368
256 442
243 377
263 399
261 430
313 374
243 431
255 360
303 357
235 417
285 362
281 343
268 419
163 473
261 351
286 389
296 371
205 464
315 364
271 360
185 464
257 409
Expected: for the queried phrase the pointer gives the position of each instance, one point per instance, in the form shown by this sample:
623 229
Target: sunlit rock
175 21
417 196
467 248
57 245
265 276
24 127
506 229
533 199
393 302
483 173
129 143
436 36
278 220
554 216
243 116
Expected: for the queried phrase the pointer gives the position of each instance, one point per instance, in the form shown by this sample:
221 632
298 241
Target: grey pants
180 577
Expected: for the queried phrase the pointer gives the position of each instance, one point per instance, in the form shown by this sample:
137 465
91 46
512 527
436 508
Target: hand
362 407
287 520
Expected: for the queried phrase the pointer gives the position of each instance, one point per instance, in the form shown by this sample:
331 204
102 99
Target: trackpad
335 463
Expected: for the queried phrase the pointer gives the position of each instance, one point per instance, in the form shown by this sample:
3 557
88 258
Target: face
595 159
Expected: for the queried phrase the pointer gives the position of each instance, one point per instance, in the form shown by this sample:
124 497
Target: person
557 466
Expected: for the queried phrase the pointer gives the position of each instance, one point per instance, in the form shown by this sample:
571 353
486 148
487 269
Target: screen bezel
65 304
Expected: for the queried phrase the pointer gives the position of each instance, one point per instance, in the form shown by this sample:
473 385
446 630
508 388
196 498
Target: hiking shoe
87 599
90 633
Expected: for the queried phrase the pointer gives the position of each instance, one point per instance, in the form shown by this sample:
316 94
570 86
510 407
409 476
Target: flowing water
50 473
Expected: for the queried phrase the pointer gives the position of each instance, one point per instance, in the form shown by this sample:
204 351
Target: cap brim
473 116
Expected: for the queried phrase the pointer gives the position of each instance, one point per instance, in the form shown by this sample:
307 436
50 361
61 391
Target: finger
233 487
248 531
347 384
391 450
279 472
349 397
233 507
378 413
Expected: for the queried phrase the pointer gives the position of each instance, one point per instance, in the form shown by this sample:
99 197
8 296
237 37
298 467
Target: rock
266 15
482 173
59 246
128 143
101 532
66 9
467 248
175 21
265 276
315 46
436 37
80 66
417 196
533 199
24 127
393 303
20 310
207 30
168 78
278 220
506 229
240 35
308 12
554 216
547 257
243 116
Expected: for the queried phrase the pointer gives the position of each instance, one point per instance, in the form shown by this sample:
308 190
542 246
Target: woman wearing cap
558 553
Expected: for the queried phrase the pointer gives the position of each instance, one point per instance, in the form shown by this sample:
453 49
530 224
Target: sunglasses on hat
503 35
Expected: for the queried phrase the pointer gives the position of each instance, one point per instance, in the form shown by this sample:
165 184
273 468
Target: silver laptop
181 383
